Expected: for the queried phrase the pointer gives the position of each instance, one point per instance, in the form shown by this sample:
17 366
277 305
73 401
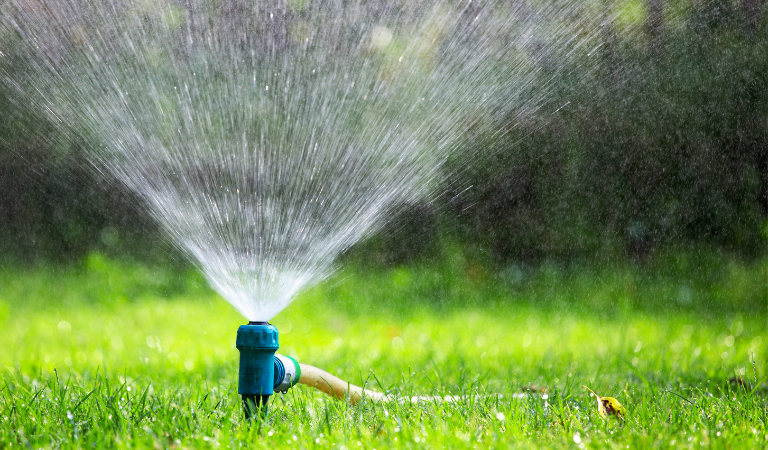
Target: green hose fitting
287 373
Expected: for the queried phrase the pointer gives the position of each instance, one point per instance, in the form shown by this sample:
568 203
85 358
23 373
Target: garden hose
342 390
262 372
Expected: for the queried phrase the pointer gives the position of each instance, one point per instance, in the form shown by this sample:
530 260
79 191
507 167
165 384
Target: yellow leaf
608 406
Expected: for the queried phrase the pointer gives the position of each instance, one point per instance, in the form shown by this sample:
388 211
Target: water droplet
65 327
117 342
527 339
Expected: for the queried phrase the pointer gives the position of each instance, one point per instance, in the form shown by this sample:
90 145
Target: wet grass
110 354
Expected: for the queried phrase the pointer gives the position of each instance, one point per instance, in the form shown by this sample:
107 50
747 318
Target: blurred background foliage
660 147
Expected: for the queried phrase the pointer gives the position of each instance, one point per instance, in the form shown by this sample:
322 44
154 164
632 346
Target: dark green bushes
659 140
650 150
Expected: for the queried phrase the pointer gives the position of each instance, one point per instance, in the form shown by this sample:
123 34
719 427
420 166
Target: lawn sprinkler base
255 406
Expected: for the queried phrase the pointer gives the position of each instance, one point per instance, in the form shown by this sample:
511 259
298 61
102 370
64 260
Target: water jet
266 138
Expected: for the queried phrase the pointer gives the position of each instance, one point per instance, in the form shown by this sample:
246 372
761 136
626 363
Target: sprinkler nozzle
257 343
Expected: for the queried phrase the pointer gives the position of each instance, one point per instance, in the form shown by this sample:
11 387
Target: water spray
265 150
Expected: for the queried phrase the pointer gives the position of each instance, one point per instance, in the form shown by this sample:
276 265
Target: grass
113 354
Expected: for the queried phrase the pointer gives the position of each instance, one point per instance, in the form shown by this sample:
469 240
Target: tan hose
337 388
334 386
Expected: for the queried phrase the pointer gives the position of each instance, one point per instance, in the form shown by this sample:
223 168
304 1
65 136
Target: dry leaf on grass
608 406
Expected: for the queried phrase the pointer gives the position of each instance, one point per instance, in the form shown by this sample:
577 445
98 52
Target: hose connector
287 373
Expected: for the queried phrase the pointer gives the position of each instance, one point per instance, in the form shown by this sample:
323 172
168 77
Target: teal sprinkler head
261 371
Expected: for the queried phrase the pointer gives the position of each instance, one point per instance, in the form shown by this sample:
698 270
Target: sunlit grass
116 354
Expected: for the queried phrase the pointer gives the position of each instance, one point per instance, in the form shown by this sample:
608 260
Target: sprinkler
262 373
257 343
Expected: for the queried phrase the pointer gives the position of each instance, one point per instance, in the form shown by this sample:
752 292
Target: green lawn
114 354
